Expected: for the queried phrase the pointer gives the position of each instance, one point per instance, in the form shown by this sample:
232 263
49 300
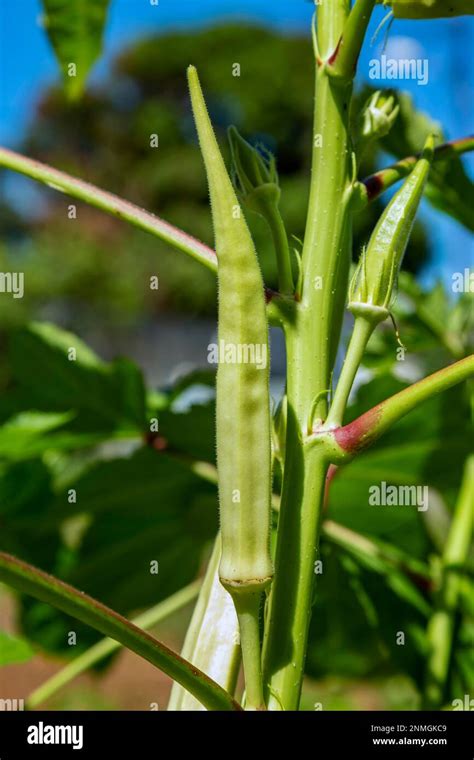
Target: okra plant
275 466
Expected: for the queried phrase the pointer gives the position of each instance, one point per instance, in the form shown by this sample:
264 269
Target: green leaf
199 377
28 527
429 9
75 29
128 513
356 619
381 592
462 671
14 649
426 448
191 432
450 190
20 434
54 371
400 570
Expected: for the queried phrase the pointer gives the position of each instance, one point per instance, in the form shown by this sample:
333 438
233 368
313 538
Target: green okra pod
243 429
373 285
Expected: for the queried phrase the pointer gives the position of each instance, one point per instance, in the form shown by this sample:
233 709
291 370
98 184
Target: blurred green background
97 269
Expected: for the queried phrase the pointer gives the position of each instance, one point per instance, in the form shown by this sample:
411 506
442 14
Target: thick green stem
442 624
247 605
290 604
312 339
327 243
363 329
106 647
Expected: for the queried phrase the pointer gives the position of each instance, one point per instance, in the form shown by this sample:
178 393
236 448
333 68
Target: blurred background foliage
98 268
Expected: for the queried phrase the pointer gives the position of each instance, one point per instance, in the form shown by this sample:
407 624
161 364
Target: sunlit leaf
75 29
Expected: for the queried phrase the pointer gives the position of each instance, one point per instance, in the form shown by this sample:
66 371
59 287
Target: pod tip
192 73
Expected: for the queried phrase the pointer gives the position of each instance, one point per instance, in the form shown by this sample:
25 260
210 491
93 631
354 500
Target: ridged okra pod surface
243 435
374 282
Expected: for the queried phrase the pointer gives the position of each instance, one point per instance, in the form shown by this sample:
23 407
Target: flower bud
376 119
373 284
254 174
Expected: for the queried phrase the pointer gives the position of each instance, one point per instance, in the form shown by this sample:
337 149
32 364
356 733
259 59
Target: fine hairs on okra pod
243 425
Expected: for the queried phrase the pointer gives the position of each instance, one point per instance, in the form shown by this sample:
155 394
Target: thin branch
121 209
107 646
110 203
367 428
373 186
343 62
376 552
363 329
441 628
29 580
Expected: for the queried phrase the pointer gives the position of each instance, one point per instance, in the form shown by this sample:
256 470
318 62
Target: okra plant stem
106 647
366 429
376 184
441 626
111 204
30 580
247 606
308 374
312 339
348 48
291 595
363 329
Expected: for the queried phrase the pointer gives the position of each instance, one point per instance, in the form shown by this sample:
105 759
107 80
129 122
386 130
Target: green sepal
254 175
376 119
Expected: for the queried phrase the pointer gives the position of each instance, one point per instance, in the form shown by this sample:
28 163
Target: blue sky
27 66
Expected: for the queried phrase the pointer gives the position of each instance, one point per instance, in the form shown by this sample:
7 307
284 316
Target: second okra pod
373 285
